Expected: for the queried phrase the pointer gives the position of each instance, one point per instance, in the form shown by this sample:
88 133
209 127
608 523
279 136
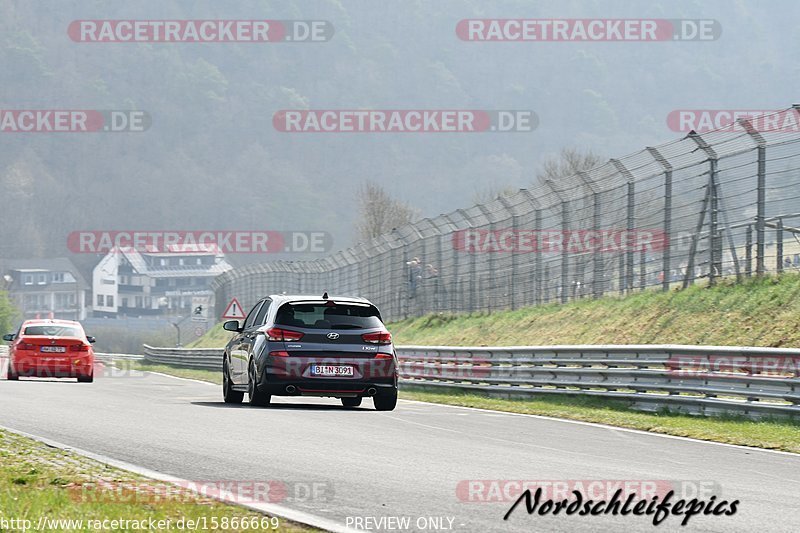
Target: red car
50 348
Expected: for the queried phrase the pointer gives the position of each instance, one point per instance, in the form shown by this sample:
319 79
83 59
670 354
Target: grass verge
72 492
189 373
772 434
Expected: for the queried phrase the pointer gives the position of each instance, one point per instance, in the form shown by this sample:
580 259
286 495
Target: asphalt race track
405 463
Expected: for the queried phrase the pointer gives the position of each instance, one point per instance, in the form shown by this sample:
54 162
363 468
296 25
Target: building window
41 279
100 300
109 301
58 277
163 262
180 261
27 279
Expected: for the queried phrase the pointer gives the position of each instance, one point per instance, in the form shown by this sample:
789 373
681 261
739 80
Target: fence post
712 197
537 258
714 252
437 282
488 293
748 268
535 275
779 244
598 286
456 290
666 266
761 194
631 220
564 253
631 227
514 254
564 283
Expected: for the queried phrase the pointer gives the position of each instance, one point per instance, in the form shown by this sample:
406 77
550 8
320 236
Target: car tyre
351 402
11 375
228 394
255 396
385 402
86 379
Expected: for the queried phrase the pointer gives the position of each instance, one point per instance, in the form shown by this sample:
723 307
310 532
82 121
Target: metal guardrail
202 358
704 380
691 379
111 356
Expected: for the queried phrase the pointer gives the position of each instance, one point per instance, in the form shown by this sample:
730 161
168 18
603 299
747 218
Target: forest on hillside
212 159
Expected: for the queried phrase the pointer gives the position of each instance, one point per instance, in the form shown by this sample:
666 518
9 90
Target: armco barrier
203 358
692 379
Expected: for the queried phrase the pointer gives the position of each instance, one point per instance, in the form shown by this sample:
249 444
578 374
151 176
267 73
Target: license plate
54 349
329 370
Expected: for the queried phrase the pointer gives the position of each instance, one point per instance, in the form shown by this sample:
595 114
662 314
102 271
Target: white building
45 288
127 282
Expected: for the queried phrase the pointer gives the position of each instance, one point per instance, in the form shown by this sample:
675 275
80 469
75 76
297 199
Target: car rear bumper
53 367
291 376
336 389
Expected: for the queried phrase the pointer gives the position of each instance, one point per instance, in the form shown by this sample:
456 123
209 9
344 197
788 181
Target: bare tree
568 162
379 213
491 192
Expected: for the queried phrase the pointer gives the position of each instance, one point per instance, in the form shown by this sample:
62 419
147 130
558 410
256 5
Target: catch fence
706 206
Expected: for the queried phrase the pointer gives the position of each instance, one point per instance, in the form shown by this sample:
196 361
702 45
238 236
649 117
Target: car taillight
26 346
278 334
378 337
79 348
279 354
383 356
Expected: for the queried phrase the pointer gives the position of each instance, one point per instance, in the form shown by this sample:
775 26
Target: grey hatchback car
311 346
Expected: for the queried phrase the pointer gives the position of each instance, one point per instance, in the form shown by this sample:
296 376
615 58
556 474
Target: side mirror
91 339
232 325
8 337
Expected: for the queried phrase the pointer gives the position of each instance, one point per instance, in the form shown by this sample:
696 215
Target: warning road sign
234 310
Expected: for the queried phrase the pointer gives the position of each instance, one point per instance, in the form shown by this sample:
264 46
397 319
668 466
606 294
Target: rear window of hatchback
328 316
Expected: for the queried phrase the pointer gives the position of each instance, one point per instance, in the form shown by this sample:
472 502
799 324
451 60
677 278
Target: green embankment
763 312
758 312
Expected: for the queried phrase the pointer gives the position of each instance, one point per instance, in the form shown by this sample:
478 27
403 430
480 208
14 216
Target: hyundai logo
333 336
